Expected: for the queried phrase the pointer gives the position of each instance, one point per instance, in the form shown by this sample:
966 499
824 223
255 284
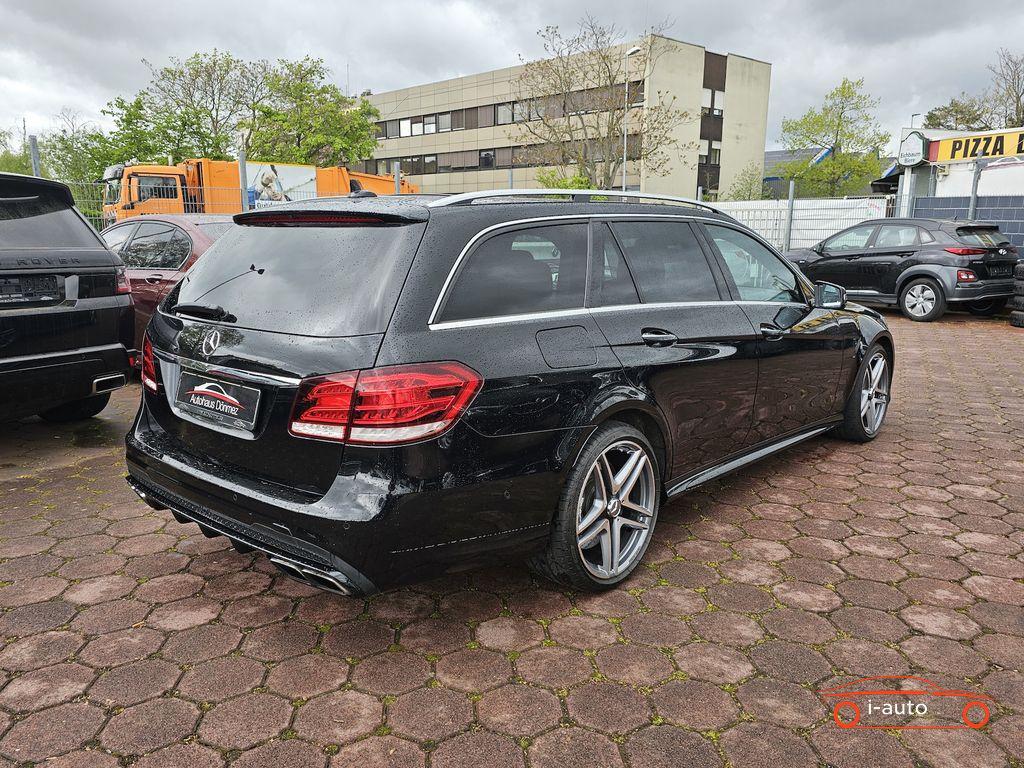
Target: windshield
988 237
112 191
307 281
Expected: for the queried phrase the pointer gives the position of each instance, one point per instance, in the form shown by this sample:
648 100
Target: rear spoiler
341 212
16 185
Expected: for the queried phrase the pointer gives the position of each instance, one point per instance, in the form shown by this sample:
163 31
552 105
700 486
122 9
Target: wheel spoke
612 565
607 560
640 509
638 467
877 370
620 478
593 534
593 514
865 402
627 522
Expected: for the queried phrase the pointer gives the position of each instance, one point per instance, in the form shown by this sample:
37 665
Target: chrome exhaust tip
108 383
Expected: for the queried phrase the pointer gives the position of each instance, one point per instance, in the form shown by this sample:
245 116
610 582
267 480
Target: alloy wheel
874 395
920 300
615 511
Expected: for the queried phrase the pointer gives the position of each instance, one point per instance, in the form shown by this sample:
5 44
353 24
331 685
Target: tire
1018 287
1017 319
922 300
77 410
1018 271
857 425
590 566
986 307
1017 302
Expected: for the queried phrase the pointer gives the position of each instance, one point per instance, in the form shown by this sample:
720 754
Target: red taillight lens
148 366
965 276
384 406
122 285
967 251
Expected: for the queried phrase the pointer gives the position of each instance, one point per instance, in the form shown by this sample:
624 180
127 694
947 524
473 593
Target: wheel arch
936 272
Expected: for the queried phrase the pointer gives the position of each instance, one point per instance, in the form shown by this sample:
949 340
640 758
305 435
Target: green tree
14 157
556 178
961 113
748 184
308 120
845 126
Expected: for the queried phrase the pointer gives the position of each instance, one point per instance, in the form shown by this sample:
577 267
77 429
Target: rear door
891 251
663 308
840 256
295 299
800 348
58 281
153 257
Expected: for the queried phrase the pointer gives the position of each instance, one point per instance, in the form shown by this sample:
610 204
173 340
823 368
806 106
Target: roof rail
577 195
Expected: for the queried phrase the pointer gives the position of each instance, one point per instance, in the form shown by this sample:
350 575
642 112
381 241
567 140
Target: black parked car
374 390
920 264
66 315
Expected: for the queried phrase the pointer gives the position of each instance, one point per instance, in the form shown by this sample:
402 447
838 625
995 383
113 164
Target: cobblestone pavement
126 638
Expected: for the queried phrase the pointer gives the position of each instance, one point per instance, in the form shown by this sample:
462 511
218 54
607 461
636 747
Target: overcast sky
913 54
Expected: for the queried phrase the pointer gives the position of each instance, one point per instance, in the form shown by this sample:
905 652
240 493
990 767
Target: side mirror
829 296
818 248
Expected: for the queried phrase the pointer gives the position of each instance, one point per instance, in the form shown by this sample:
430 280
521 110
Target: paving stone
338 718
668 747
519 710
508 633
789 661
430 713
246 721
780 702
135 682
149 726
573 748
634 664
608 707
707 661
475 670
306 676
121 647
759 745
282 754
867 749
384 752
222 678
468 750
940 621
51 732
695 704
393 673
179 755
45 687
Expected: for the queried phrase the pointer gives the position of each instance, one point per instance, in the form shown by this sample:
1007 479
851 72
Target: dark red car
157 250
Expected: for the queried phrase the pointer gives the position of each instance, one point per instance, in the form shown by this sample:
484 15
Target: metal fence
1007 211
178 200
808 221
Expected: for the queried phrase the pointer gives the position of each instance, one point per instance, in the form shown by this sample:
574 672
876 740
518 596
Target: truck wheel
1017 319
986 307
922 300
77 410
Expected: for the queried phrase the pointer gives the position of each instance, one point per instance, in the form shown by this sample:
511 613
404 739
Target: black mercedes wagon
373 390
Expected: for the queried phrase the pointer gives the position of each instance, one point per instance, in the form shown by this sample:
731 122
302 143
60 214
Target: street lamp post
625 111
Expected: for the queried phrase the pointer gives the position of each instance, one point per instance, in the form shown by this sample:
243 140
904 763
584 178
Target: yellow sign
983 145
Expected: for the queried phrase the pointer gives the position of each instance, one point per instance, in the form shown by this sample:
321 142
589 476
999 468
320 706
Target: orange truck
215 186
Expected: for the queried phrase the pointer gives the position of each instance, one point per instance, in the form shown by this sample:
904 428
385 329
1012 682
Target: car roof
928 223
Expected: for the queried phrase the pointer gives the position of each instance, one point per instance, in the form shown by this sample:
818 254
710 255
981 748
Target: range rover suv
921 265
66 311
375 390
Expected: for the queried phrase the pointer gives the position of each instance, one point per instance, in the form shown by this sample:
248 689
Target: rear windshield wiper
204 311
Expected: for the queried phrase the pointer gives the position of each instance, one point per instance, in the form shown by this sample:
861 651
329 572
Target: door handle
154 279
655 337
773 332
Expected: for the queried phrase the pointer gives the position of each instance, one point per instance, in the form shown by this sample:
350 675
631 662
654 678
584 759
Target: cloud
913 55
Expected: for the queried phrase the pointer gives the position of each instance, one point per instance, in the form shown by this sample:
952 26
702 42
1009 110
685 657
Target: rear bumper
983 289
33 383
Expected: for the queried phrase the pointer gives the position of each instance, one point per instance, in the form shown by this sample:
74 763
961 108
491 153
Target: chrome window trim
433 323
198 366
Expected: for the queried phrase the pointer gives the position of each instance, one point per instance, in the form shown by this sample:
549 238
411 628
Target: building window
485 116
444 162
719 103
705 101
382 129
430 164
392 129
702 153
503 157
405 127
504 113
715 156
444 122
458 120
471 116
417 126
486 158
383 167
430 124
521 111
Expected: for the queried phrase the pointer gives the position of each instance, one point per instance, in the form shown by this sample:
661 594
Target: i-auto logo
905 701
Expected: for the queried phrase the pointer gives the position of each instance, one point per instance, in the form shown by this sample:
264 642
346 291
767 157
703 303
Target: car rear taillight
122 285
965 276
148 366
384 406
966 251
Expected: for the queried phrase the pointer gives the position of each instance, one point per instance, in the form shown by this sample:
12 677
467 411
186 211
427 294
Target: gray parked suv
921 265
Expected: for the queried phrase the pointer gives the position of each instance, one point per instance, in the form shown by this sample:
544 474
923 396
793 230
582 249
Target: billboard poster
272 183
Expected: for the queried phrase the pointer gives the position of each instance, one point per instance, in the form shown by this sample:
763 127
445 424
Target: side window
924 236
666 261
156 246
895 236
617 286
118 236
852 238
760 275
161 187
527 270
